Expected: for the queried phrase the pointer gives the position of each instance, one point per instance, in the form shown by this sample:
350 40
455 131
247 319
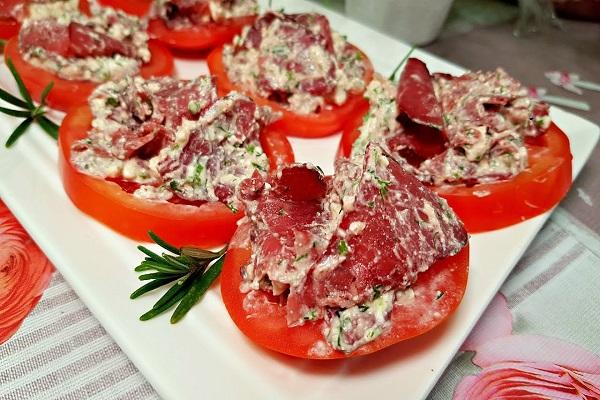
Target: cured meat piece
47 34
416 97
295 51
283 209
73 40
86 42
392 228
146 141
178 100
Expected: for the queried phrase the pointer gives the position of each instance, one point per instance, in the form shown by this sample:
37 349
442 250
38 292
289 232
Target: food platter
205 355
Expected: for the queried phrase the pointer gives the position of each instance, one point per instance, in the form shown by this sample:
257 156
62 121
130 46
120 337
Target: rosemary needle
190 271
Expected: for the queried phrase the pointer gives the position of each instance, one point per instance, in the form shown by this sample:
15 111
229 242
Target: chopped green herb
194 107
250 148
342 247
258 167
281 211
112 102
174 186
301 257
377 291
232 207
197 177
311 315
371 204
363 308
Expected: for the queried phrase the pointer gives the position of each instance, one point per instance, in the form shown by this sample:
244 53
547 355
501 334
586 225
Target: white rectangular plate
205 356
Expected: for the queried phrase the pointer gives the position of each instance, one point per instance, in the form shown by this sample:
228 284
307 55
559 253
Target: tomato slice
67 93
265 321
537 189
207 225
8 28
326 122
139 8
200 37
491 206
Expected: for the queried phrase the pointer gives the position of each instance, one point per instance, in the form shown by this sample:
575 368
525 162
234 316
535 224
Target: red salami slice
416 97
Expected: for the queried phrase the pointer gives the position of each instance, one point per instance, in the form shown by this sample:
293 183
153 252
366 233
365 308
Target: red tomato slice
200 37
66 93
138 8
486 207
326 122
540 187
265 322
8 28
208 225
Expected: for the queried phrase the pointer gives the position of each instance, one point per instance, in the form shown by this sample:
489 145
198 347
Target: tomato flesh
207 225
263 320
68 93
8 28
491 206
199 37
324 123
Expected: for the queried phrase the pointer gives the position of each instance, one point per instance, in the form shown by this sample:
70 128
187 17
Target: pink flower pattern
525 366
24 274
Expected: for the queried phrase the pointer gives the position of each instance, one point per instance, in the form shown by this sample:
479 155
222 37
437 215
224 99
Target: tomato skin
326 123
491 206
208 225
266 325
8 28
138 8
198 37
67 93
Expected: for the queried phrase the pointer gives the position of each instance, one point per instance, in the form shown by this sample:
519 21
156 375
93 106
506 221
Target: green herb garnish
190 270
393 75
27 109
342 248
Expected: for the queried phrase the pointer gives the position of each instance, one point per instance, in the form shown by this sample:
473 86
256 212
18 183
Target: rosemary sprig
393 75
26 108
190 270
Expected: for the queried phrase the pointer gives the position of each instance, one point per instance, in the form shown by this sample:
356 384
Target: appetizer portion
478 139
77 51
200 24
330 268
298 66
166 155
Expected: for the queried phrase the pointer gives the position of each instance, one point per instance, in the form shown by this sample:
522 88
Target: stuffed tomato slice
478 140
166 155
78 52
298 66
200 24
337 267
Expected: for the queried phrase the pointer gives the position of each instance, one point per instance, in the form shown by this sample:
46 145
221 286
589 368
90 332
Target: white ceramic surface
205 356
